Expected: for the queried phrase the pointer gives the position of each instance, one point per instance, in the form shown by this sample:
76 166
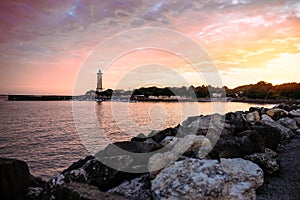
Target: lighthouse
99 81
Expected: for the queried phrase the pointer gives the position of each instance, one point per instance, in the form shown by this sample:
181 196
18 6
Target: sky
57 46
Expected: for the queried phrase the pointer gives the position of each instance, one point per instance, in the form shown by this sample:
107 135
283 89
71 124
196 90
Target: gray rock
253 116
285 133
159 161
203 123
80 191
138 188
294 113
14 178
169 141
288 123
208 179
267 118
189 145
297 120
267 161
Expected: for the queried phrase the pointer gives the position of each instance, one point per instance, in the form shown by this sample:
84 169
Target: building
99 81
99 88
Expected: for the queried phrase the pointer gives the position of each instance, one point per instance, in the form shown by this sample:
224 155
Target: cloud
242 34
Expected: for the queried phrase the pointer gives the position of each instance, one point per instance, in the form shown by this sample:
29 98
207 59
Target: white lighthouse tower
99 81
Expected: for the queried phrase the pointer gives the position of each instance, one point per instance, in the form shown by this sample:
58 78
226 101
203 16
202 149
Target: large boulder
271 135
285 133
14 178
288 123
208 179
138 188
267 160
81 191
277 113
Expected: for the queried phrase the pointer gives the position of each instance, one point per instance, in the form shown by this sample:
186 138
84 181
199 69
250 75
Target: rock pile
206 157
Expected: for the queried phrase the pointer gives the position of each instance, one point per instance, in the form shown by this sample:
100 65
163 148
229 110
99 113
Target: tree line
260 90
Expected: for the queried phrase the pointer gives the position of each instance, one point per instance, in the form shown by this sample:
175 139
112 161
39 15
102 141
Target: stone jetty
205 157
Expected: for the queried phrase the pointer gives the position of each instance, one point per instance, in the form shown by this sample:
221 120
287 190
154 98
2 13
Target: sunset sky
47 46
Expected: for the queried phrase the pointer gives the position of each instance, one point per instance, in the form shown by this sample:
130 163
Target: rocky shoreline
206 157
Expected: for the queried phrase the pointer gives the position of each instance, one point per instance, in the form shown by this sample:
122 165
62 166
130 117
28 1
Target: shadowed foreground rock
81 191
14 178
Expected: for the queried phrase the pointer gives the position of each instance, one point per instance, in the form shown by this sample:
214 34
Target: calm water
50 136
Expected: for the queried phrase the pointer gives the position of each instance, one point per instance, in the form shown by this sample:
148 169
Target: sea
51 135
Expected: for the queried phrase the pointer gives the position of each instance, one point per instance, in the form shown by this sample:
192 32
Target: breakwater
205 157
38 98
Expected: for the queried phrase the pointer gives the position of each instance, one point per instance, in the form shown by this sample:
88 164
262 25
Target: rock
190 145
139 138
285 133
270 135
253 116
159 161
94 172
298 131
138 188
14 178
288 123
121 148
80 191
226 149
294 113
189 120
277 113
200 125
267 161
244 178
78 164
297 120
287 107
34 193
237 121
159 136
251 141
169 141
260 110
207 179
267 118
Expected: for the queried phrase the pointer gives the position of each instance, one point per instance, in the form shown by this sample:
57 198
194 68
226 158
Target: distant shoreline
69 98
